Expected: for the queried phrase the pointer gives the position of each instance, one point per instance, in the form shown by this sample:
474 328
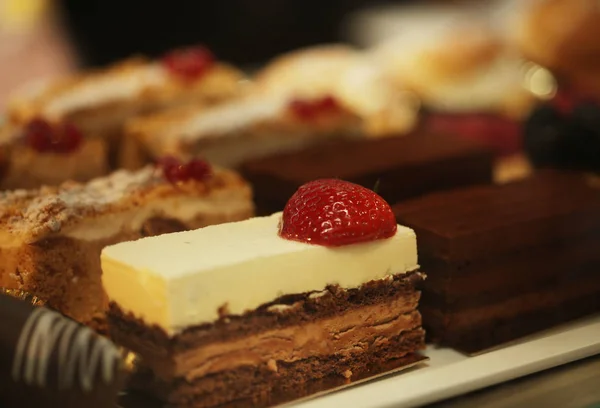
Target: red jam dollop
176 171
44 137
189 63
312 109
333 213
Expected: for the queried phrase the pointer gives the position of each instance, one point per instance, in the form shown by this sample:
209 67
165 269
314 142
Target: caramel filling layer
342 335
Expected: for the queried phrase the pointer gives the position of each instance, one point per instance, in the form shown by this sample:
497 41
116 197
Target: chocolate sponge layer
281 347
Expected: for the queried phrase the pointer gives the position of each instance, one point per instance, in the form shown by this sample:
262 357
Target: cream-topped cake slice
211 269
323 290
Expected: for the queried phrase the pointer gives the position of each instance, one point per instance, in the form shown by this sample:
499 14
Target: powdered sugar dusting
48 208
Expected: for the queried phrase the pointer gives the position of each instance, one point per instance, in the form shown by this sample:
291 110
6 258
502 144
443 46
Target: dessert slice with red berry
99 102
306 98
317 296
52 237
44 153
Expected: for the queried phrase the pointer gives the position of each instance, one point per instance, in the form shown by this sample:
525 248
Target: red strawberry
333 212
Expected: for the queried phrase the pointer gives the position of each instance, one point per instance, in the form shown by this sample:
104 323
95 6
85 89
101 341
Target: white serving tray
449 373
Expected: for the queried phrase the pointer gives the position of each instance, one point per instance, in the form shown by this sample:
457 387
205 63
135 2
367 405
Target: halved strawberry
333 212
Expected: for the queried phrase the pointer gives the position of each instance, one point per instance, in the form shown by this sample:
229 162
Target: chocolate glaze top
485 220
364 156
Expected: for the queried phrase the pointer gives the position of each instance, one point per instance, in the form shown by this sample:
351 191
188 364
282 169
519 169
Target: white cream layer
182 279
228 118
107 88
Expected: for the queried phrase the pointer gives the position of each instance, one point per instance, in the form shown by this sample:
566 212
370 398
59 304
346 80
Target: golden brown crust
32 214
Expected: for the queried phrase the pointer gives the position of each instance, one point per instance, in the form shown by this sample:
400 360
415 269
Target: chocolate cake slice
238 313
401 167
507 261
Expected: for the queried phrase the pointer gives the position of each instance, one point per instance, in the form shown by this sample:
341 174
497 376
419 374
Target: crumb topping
50 209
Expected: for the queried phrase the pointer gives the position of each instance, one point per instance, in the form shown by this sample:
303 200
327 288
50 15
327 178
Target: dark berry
581 147
587 115
544 134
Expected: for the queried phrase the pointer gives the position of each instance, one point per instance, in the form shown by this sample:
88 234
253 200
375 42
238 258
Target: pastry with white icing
300 99
99 102
51 237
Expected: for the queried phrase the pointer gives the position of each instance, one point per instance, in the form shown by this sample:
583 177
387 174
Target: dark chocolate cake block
506 261
400 167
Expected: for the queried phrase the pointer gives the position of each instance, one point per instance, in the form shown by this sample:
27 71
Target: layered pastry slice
400 167
471 81
239 312
52 237
299 100
506 261
100 102
41 153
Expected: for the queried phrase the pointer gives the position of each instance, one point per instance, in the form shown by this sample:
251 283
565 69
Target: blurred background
44 38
